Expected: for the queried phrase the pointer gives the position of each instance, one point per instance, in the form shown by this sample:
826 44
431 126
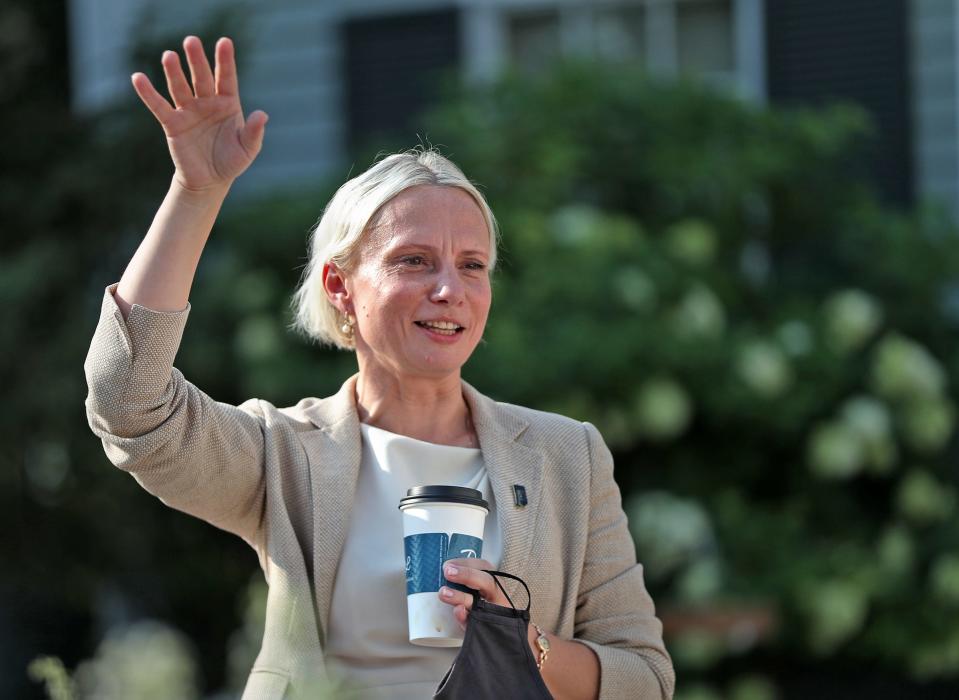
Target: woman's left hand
469 573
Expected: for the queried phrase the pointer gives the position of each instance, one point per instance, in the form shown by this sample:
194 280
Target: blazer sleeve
195 454
615 615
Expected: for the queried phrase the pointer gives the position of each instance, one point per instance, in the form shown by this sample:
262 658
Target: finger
251 135
471 578
471 562
460 613
453 597
225 83
154 101
175 79
199 67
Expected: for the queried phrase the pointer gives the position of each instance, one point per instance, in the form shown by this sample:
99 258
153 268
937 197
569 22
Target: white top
368 641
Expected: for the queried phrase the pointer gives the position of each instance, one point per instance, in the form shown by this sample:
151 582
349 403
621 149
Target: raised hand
210 142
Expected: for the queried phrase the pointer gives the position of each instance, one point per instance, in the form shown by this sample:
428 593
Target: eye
412 260
474 265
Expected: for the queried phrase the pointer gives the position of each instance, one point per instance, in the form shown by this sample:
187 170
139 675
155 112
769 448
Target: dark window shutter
392 64
823 50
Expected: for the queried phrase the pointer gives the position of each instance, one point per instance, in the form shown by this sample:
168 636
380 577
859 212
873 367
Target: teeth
442 325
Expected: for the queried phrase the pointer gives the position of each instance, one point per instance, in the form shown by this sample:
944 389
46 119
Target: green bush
765 345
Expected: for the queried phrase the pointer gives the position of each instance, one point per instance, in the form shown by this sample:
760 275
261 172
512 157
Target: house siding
935 56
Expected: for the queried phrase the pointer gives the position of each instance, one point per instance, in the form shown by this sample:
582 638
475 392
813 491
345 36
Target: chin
435 364
436 370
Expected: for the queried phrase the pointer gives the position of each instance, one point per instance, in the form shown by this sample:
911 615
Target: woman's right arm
211 145
196 454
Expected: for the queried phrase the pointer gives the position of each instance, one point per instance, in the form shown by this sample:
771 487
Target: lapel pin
519 495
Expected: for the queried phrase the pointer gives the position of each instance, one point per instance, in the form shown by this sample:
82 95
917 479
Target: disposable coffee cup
439 523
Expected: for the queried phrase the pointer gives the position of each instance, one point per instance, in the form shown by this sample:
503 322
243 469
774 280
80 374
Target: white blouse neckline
386 435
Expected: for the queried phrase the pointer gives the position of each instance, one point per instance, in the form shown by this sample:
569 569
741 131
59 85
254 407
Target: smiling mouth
441 327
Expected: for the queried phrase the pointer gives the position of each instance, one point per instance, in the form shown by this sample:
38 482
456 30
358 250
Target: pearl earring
347 326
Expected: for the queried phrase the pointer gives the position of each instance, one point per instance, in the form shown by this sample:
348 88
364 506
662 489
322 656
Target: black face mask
495 661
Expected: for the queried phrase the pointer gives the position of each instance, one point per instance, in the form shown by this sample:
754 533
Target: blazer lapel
334 451
509 462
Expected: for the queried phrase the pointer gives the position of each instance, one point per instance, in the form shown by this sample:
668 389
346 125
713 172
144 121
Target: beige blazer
284 480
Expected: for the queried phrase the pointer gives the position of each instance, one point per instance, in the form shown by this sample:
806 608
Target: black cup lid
436 493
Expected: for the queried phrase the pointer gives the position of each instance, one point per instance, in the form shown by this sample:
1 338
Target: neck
424 408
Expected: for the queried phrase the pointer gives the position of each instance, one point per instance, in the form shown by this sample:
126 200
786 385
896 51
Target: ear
334 284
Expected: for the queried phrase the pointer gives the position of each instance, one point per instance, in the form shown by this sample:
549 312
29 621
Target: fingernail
451 570
447 593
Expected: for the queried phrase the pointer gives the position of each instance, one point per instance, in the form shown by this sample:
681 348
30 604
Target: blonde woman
399 274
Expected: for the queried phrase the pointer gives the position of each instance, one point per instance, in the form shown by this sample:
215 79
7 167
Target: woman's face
420 289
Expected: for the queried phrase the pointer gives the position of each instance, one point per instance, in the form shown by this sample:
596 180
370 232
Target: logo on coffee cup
425 554
462 547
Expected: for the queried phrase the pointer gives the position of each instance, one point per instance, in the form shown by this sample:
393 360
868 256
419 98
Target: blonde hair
341 231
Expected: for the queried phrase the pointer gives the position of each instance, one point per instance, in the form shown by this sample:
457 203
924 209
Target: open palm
210 142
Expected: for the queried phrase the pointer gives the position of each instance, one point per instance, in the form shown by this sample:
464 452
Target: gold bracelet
543 643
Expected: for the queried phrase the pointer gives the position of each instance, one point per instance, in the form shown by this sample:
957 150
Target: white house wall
292 69
934 32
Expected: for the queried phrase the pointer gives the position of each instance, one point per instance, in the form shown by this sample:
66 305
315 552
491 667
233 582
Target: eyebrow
410 246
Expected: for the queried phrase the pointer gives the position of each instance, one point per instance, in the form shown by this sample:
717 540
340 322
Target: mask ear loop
495 574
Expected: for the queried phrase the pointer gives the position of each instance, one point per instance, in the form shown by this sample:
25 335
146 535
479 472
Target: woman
400 272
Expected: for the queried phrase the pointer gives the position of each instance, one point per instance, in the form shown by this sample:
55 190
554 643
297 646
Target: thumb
251 135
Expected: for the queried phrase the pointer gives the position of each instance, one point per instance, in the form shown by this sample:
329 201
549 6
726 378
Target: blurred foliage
84 552
56 680
117 670
767 349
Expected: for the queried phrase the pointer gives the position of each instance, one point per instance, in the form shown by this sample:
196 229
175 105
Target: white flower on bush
868 416
692 241
699 314
870 419
896 552
670 532
927 423
795 337
835 451
836 610
50 671
902 369
944 578
635 288
663 409
146 660
764 368
923 500
701 581
852 317
576 224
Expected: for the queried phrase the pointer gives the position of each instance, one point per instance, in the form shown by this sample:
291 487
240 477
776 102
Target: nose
448 287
